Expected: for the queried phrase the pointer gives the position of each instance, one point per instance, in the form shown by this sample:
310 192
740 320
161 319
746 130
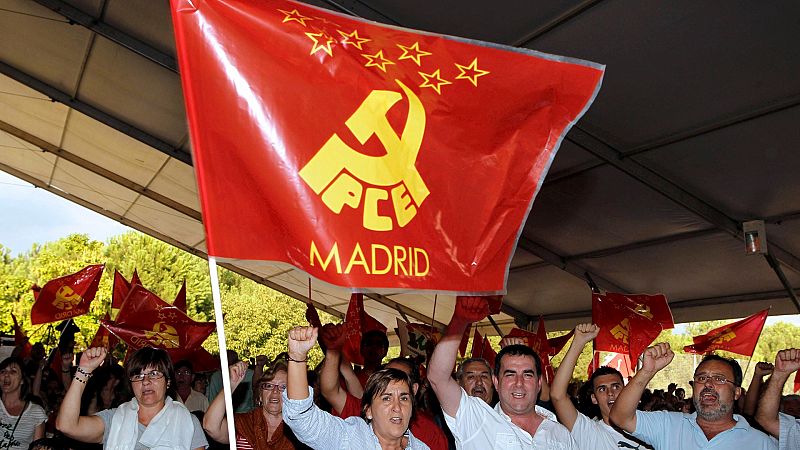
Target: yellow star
353 39
377 60
415 56
433 76
326 47
296 16
473 69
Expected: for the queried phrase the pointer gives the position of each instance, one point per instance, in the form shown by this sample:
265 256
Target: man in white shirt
184 376
783 426
516 421
606 383
475 376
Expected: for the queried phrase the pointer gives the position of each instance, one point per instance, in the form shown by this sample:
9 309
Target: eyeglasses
272 387
183 372
152 376
716 379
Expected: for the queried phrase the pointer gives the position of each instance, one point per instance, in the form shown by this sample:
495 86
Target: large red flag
20 339
357 322
68 296
379 157
146 320
629 323
180 299
738 337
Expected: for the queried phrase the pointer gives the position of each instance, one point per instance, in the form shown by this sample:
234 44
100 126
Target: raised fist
657 357
506 341
585 332
301 339
763 369
237 372
92 358
788 360
332 336
471 309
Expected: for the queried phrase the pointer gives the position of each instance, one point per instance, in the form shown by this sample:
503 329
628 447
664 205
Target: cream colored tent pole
223 346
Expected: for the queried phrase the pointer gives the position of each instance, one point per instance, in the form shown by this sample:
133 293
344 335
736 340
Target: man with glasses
717 385
184 376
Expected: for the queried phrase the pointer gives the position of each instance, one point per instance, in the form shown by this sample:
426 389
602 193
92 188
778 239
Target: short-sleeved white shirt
598 435
679 431
790 432
478 426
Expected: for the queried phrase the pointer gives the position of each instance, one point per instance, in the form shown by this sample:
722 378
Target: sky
30 215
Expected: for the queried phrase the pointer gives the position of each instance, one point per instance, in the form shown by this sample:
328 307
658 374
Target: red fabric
180 299
146 320
422 427
103 338
312 316
738 337
797 381
477 344
556 344
629 323
135 278
495 303
621 362
594 363
119 291
309 105
20 339
462 346
538 342
36 289
487 352
357 322
67 296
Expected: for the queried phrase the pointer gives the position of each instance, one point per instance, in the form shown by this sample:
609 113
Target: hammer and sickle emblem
724 336
620 332
643 310
163 335
66 298
339 172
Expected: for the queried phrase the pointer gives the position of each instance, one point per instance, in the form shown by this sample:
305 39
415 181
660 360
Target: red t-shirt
422 427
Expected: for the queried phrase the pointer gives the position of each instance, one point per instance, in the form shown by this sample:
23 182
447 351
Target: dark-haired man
516 421
606 383
717 385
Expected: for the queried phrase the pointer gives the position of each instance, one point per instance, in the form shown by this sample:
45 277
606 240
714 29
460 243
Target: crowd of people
283 403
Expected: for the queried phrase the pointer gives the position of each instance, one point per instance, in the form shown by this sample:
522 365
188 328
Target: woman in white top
21 421
150 420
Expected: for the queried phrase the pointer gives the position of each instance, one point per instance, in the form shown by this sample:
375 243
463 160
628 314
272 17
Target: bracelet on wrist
80 369
80 380
298 360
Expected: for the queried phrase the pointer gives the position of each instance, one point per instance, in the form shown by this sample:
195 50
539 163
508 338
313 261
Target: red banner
629 323
738 337
67 297
357 322
146 320
379 157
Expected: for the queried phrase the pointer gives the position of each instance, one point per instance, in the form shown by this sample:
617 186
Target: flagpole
433 316
223 346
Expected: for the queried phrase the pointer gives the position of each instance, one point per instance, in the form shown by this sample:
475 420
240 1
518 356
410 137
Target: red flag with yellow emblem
67 296
366 155
629 323
146 320
739 337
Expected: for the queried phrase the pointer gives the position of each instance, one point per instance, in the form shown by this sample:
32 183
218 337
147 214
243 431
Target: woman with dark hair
262 428
387 407
150 420
107 389
21 421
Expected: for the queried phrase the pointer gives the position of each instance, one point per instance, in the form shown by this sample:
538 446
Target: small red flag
487 352
120 290
477 344
538 342
629 323
312 316
146 320
356 151
594 364
357 322
103 338
36 289
68 296
135 278
20 339
557 343
180 299
462 346
739 337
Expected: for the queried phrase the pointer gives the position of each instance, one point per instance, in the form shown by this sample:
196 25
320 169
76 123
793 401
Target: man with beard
783 426
474 375
717 385
516 421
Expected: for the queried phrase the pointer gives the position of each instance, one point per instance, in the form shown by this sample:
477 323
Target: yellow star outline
473 69
417 54
377 60
434 76
326 47
353 39
296 16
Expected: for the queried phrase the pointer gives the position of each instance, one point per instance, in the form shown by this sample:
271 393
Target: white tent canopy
694 131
